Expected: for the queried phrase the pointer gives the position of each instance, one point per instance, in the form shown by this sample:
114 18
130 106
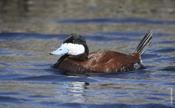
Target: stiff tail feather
143 43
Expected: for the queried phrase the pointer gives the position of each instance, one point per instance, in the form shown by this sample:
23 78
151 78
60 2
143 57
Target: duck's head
75 46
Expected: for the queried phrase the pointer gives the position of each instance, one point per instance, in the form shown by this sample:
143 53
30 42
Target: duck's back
99 62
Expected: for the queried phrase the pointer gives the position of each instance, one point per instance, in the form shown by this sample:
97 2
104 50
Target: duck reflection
77 89
75 92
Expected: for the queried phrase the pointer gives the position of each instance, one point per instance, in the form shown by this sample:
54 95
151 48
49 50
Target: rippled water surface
27 79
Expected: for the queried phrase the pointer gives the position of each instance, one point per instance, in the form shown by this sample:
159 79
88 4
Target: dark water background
28 81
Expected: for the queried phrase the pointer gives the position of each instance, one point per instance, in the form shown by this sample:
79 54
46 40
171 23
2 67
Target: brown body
100 62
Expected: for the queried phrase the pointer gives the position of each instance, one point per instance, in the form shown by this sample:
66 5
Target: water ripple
118 21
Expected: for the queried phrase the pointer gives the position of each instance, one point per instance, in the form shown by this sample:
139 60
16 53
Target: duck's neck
60 60
81 57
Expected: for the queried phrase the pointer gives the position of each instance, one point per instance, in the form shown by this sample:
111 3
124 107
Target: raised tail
143 43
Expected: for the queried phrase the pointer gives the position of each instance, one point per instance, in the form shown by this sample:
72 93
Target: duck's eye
60 49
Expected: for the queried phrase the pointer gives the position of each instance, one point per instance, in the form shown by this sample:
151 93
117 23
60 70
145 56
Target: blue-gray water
27 79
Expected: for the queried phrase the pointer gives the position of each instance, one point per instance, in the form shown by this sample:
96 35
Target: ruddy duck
75 57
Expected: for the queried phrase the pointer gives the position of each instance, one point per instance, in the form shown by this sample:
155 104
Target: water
27 79
30 29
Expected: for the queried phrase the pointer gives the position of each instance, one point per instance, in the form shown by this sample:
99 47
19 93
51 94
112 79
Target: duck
75 57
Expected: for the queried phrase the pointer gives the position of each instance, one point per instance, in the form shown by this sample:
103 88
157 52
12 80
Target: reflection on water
77 91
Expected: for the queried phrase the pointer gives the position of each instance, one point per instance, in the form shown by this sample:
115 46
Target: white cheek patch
74 49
